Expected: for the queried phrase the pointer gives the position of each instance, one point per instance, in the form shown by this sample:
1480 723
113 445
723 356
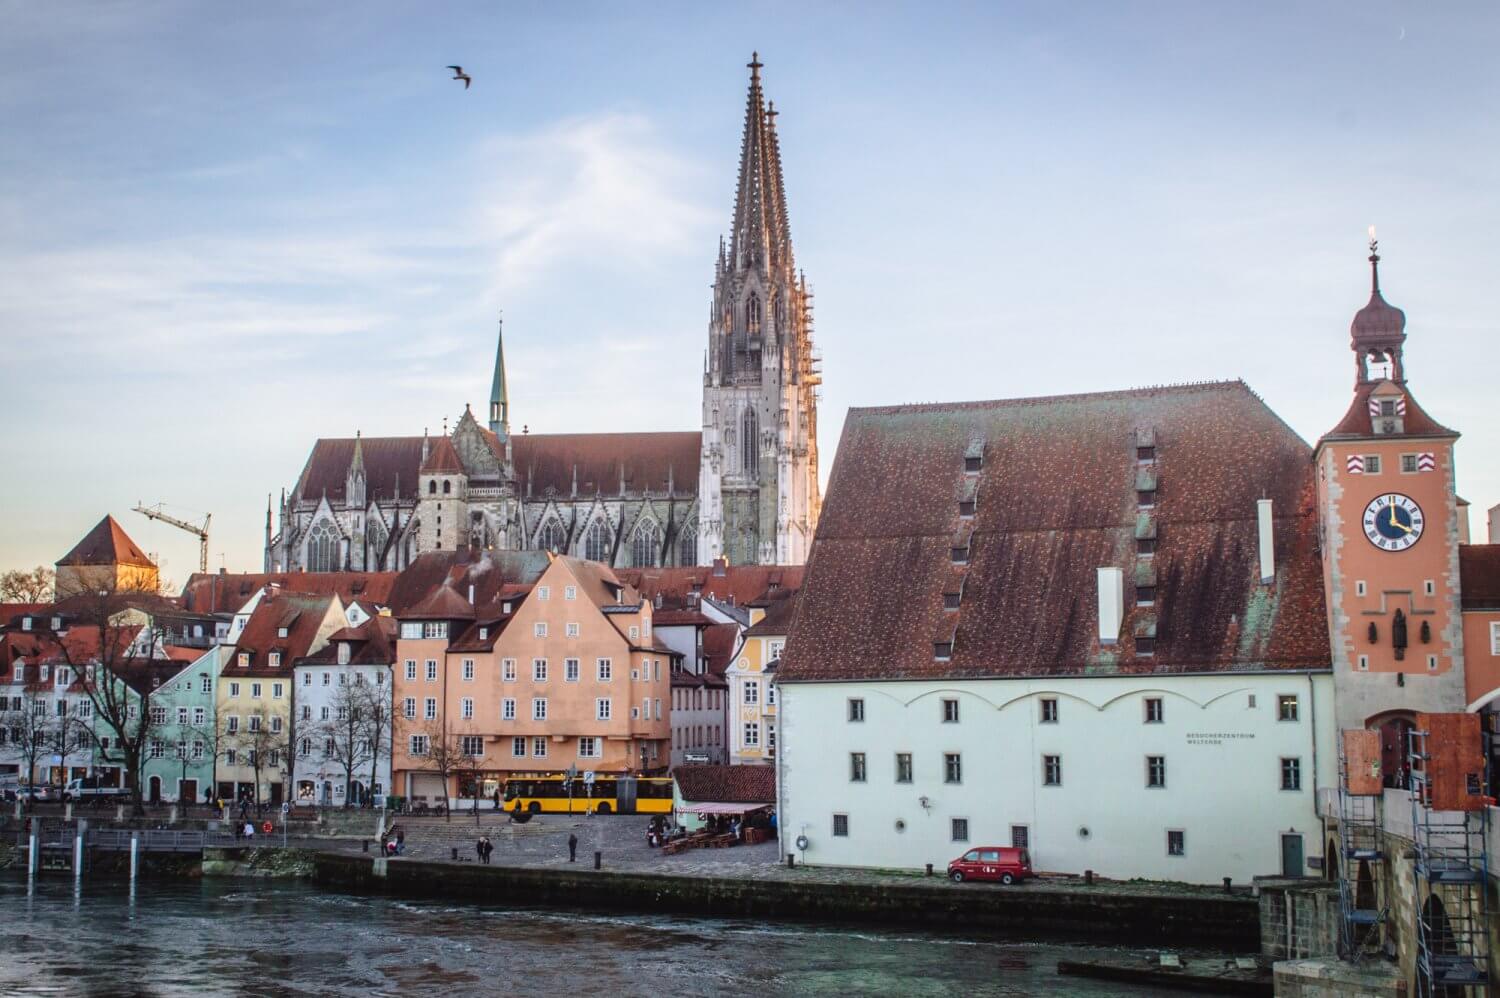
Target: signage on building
1216 737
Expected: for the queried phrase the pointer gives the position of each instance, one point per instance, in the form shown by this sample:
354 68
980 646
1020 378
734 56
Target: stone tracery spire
758 234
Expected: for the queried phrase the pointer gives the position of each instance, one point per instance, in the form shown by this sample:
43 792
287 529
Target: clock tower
1388 521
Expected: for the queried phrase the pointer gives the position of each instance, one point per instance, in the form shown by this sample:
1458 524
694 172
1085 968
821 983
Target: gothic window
376 536
552 537
687 544
480 535
596 541
749 443
645 545
323 548
752 315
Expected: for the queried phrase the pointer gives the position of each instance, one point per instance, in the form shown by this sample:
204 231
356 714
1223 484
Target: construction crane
155 513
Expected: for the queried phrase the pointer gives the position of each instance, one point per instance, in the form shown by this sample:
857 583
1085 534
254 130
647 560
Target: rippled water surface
246 937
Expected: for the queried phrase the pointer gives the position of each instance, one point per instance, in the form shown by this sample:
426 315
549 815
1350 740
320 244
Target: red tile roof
1479 576
226 593
720 642
547 460
442 459
389 462
1057 499
372 643
493 574
726 784
777 621
740 584
106 544
300 613
1356 422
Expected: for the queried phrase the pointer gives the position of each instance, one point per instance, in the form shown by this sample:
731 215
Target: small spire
1374 262
754 65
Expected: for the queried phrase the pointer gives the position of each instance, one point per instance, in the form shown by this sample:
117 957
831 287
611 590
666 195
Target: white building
1091 624
341 705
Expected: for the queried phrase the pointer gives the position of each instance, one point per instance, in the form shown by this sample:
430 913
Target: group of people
659 830
393 842
483 848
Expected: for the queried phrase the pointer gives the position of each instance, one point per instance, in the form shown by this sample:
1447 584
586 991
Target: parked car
1007 864
38 792
89 788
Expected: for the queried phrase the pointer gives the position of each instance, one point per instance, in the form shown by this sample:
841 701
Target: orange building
522 662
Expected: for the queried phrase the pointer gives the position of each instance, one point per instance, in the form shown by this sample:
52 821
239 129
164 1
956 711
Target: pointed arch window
749 443
376 536
553 538
323 548
687 544
596 542
752 315
645 544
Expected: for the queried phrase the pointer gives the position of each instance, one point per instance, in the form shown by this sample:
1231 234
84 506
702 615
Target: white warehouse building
1091 625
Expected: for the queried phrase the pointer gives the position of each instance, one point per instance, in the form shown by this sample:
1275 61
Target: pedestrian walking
479 848
572 847
489 847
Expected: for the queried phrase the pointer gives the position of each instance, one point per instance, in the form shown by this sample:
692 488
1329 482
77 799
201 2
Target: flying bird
459 74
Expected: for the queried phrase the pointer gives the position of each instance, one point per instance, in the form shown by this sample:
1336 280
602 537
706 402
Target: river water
243 937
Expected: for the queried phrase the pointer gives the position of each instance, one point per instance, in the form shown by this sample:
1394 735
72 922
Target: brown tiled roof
778 619
1356 422
680 617
388 461
300 613
720 641
1057 499
547 460
726 784
740 584
492 573
106 544
11 612
1479 576
442 459
373 643
225 593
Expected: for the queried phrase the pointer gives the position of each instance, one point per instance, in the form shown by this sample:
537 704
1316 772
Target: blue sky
226 230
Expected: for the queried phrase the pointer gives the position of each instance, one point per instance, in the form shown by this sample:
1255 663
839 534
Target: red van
1007 864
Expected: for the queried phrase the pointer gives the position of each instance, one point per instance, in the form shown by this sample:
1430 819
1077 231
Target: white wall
315 696
1223 792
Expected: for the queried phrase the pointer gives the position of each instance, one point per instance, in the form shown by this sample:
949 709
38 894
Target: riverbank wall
1145 919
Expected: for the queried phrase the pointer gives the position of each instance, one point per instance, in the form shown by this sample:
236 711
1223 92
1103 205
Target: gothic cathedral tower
758 480
1389 527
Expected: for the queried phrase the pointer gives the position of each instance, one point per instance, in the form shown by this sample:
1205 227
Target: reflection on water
247 937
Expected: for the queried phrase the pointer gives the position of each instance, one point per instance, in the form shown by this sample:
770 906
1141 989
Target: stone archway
1331 860
1394 728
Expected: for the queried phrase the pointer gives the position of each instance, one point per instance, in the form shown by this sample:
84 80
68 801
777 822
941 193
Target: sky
227 230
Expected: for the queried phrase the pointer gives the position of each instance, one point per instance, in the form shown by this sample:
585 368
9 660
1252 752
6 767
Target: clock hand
1392 507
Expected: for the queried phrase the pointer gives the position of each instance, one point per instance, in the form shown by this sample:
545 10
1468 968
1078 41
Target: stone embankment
1116 914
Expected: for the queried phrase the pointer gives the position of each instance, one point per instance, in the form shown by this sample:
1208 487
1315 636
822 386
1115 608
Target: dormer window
952 600
1146 498
1145 646
1144 596
57 623
1145 547
25 623
960 555
966 508
343 653
281 632
942 650
275 659
1145 455
484 633
1388 407
244 660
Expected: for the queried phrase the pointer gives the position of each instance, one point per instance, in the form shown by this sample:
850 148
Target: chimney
1111 604
1267 541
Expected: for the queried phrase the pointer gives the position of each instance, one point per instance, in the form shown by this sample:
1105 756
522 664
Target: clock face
1393 522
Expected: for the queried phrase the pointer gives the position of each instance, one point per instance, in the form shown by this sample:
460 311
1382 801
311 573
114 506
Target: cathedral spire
758 234
499 403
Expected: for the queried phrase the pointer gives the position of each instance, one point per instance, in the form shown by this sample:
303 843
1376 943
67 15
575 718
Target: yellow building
752 679
254 734
106 559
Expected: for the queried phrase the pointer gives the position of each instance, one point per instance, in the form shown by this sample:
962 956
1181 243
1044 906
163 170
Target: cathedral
744 487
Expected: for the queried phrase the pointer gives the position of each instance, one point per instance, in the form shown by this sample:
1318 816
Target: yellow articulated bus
605 795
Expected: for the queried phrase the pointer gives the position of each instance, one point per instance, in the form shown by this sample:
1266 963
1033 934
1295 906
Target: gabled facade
752 681
180 757
342 705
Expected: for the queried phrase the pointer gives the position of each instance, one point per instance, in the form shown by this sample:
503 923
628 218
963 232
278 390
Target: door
276 794
187 792
1395 767
1291 855
625 791
154 789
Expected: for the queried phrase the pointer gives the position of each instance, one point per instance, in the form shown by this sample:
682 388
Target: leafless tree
265 741
344 737
68 734
26 586
116 648
444 755
29 724
378 718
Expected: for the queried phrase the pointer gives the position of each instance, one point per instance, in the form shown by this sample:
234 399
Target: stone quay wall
1143 918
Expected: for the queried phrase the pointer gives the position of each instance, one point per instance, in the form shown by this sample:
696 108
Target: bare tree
67 735
345 736
30 726
117 649
265 741
378 720
444 755
27 586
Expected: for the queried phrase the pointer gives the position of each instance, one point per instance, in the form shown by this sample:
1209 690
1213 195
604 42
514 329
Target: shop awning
720 807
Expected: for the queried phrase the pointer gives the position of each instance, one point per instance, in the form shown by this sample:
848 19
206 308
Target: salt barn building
1122 629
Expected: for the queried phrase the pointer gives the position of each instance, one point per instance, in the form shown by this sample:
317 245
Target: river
246 937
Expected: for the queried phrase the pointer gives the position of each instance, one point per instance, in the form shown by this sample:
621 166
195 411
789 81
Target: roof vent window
942 650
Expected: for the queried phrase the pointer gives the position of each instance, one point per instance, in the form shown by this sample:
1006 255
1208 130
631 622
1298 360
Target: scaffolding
1359 848
1451 867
